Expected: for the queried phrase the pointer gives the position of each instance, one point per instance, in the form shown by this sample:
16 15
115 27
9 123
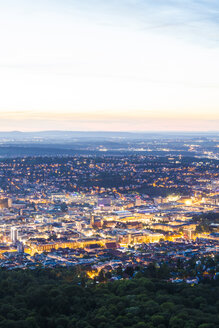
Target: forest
63 298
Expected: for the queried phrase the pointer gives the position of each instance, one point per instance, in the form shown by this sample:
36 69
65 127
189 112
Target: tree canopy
62 298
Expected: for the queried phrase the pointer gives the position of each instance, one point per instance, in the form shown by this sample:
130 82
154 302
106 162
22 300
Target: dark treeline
61 298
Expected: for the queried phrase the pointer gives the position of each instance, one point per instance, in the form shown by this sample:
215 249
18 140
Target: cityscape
109 164
105 212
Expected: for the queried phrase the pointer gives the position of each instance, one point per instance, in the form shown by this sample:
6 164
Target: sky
116 65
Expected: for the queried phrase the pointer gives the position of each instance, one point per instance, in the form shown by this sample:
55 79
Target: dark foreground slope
54 298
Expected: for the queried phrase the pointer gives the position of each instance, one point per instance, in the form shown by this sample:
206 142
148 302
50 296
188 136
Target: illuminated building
14 234
5 203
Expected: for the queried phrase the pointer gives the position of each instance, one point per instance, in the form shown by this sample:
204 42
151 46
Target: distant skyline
125 65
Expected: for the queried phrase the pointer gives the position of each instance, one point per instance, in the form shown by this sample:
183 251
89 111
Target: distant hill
70 135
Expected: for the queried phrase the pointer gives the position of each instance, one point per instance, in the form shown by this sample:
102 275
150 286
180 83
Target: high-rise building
20 247
14 234
5 203
92 220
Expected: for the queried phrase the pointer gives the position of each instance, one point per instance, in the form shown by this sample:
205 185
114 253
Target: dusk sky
124 65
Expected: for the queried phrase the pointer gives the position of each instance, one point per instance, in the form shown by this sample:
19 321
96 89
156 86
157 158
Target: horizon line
107 131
